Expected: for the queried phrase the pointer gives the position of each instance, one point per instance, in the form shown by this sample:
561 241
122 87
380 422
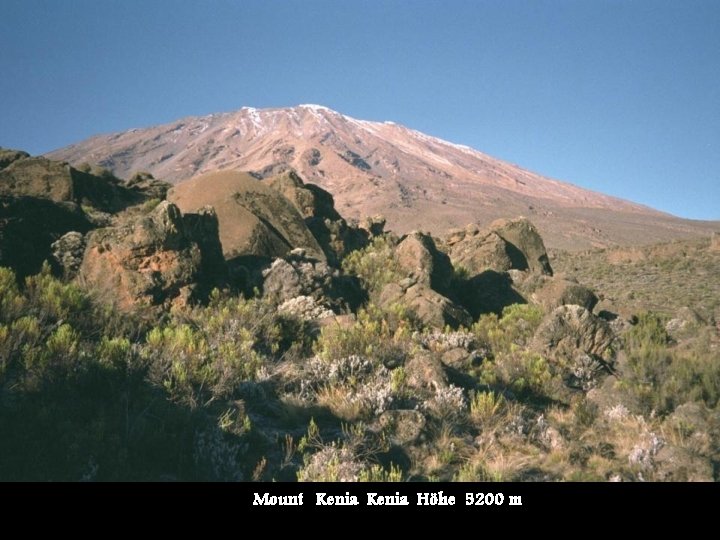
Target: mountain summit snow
415 180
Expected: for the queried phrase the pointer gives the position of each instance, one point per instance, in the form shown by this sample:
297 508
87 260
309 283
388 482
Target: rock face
478 252
317 207
152 262
41 200
420 259
570 330
430 307
58 182
7 156
254 219
148 185
504 245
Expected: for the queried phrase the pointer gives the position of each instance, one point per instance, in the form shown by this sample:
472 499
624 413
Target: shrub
375 264
12 302
486 406
372 335
516 326
52 299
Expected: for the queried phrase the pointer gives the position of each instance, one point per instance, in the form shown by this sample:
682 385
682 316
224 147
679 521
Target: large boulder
504 245
255 219
317 207
157 260
529 251
429 306
477 252
419 258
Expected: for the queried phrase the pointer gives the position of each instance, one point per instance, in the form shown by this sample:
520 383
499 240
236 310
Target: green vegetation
660 278
375 265
223 391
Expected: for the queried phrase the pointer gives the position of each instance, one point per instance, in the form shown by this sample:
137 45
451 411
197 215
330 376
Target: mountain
416 181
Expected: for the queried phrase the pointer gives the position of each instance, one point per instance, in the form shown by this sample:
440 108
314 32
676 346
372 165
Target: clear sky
620 96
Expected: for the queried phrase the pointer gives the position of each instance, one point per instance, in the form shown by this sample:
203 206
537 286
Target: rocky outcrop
429 306
309 200
149 186
28 227
373 226
59 182
476 252
300 276
158 260
504 245
419 258
8 156
317 207
425 372
255 220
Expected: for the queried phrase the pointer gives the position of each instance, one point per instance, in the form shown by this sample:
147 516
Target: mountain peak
416 180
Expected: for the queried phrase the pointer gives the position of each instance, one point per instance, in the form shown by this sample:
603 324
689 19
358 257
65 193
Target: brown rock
317 207
254 219
57 181
504 245
559 292
529 253
478 253
457 358
420 259
430 307
425 372
7 156
151 262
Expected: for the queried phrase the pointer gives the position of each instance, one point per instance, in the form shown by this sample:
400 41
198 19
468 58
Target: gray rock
68 251
570 330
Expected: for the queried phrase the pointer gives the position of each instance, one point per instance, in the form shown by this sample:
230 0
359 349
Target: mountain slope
416 181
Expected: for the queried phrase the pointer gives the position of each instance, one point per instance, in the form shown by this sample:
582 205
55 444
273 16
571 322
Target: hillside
135 345
416 181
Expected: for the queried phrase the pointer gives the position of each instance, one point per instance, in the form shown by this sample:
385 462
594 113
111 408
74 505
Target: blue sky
620 96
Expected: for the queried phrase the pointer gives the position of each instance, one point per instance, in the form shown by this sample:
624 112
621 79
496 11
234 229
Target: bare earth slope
416 181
